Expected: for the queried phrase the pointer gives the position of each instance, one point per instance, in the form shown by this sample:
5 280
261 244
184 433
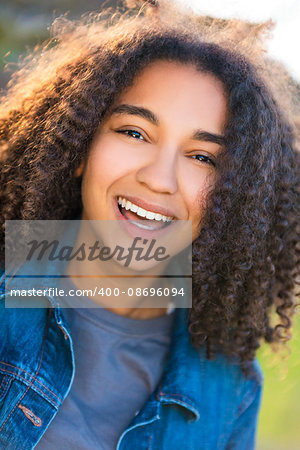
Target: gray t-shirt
119 362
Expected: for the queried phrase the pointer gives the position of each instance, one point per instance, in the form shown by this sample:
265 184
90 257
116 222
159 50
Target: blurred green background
23 24
279 420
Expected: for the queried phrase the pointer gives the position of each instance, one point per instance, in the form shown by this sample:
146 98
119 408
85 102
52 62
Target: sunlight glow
285 13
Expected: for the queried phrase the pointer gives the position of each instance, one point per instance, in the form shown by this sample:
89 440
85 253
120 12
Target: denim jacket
199 404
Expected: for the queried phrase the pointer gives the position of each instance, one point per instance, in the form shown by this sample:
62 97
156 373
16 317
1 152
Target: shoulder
229 367
18 324
234 397
224 376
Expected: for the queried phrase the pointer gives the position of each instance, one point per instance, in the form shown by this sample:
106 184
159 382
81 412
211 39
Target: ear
79 171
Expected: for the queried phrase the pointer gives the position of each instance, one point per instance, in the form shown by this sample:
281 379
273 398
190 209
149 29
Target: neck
113 287
139 313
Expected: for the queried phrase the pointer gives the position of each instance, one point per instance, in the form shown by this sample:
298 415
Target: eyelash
207 160
127 132
130 133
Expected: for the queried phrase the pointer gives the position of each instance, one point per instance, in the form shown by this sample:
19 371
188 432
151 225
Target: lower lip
134 230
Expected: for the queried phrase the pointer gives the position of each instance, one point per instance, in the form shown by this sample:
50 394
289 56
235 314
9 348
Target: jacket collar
181 380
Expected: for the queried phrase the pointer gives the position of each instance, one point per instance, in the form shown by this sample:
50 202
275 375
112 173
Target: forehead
180 93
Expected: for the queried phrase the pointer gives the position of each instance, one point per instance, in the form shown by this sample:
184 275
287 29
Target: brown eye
205 159
132 133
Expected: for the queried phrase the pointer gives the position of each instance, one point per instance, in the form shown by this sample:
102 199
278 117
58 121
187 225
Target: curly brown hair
246 260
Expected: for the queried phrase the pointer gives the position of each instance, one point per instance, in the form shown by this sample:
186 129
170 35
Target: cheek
197 211
112 159
196 198
196 192
105 165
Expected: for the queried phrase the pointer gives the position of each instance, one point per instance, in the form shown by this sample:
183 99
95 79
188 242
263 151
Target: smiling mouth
142 218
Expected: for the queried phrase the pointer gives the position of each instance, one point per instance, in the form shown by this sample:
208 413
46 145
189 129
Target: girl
174 115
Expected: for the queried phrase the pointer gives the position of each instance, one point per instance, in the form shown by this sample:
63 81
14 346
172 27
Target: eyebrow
136 111
198 135
205 136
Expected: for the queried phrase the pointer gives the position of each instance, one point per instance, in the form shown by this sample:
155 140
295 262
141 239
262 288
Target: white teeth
150 215
142 212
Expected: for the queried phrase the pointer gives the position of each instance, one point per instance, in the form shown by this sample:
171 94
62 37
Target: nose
159 174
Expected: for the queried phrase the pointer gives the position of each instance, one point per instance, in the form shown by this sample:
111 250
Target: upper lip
149 206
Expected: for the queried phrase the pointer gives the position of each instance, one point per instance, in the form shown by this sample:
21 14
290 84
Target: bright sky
284 45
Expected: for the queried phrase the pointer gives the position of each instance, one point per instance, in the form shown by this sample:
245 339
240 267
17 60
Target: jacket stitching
150 439
5 385
65 334
37 371
171 393
19 368
177 397
22 378
2 382
182 403
37 421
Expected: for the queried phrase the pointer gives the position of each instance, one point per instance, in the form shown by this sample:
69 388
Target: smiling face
157 149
